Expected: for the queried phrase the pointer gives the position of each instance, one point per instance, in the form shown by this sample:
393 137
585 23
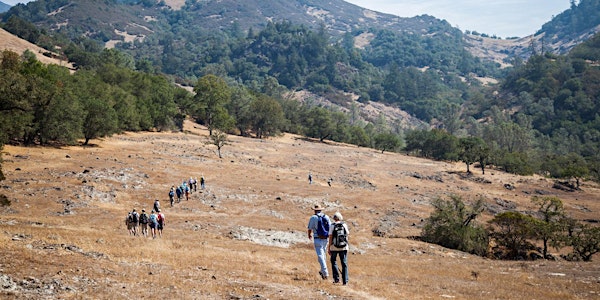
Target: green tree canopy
387 141
212 94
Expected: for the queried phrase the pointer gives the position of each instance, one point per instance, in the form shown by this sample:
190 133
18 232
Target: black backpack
144 218
134 217
339 235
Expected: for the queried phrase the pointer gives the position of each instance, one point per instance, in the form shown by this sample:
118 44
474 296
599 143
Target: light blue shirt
313 222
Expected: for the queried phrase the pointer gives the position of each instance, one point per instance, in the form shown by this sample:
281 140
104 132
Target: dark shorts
153 225
160 226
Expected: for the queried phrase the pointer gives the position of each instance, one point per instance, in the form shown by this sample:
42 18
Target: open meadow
244 236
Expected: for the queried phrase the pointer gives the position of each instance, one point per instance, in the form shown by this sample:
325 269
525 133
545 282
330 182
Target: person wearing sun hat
318 231
338 246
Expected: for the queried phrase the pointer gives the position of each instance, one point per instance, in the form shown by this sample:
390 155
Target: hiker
179 192
129 223
309 178
153 223
338 245
192 183
144 223
329 181
195 184
202 182
161 222
187 193
183 186
156 205
318 230
134 221
172 195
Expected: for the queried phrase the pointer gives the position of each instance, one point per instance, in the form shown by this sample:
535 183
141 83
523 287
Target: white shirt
331 246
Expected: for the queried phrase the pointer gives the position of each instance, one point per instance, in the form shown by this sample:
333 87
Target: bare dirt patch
244 236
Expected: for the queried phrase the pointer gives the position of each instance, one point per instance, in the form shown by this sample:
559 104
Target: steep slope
337 16
559 35
10 42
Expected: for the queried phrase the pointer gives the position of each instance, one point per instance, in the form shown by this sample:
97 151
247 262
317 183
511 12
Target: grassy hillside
245 235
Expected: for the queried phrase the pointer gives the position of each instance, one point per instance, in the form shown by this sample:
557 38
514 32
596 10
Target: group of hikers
185 189
141 221
310 179
138 223
330 238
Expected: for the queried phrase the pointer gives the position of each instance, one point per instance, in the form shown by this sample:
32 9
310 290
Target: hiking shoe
323 275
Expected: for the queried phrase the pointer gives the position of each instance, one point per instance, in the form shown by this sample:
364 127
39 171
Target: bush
4 201
512 231
450 225
585 241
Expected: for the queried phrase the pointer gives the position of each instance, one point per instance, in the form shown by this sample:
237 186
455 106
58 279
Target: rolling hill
244 236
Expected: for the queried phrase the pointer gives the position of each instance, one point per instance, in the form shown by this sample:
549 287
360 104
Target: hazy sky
504 18
13 2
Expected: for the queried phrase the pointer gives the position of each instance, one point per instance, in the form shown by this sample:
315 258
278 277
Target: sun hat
317 207
338 216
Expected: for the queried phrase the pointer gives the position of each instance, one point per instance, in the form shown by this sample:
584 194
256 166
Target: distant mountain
422 64
568 29
133 17
4 7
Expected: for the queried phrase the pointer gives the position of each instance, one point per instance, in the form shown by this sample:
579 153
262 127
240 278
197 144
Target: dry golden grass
11 42
64 234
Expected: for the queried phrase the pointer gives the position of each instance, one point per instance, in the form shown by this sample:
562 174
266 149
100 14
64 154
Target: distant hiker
156 205
153 223
329 181
129 223
144 223
192 183
172 195
160 217
309 178
179 192
187 193
135 218
202 182
183 185
338 245
195 185
318 226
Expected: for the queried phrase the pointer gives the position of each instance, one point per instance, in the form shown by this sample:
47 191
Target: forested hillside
542 118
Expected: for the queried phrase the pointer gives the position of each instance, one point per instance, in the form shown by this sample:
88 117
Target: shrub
585 241
451 225
512 231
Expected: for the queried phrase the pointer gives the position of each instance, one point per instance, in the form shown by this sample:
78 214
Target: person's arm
310 226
